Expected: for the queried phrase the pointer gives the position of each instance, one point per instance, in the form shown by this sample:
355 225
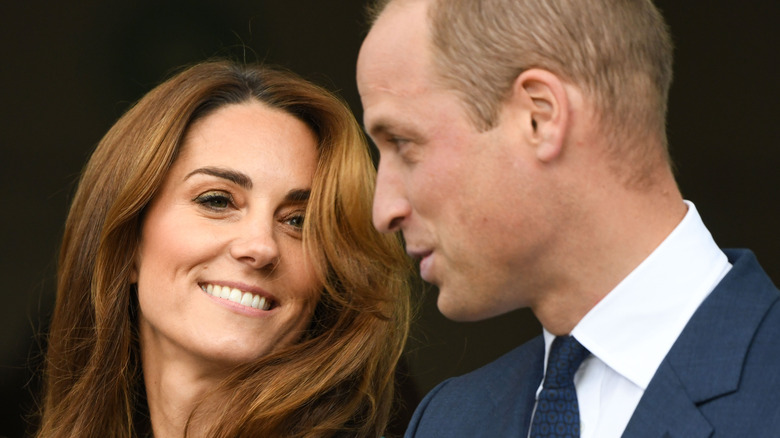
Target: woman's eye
295 220
214 200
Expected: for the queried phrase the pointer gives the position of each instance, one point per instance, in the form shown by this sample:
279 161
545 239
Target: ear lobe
133 274
547 107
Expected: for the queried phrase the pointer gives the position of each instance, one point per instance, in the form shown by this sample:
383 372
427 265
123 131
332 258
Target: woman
219 274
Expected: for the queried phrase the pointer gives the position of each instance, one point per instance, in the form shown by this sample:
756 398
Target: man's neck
616 229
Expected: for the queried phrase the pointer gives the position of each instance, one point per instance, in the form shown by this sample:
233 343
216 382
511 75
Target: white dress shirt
631 330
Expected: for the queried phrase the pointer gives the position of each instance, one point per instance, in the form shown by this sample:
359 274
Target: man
523 156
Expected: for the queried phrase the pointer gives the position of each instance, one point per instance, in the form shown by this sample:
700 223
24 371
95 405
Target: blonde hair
618 51
337 380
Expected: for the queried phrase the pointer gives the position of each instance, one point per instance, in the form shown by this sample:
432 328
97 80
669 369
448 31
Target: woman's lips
238 295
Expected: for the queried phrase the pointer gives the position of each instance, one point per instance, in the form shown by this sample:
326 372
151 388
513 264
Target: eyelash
296 216
206 200
397 141
403 147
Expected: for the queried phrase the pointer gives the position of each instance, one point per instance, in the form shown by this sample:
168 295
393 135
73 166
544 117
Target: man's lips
418 253
426 263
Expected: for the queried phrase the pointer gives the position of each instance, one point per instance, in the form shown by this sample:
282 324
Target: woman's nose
257 247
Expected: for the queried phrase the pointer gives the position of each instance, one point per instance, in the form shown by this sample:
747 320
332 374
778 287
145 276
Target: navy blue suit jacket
720 379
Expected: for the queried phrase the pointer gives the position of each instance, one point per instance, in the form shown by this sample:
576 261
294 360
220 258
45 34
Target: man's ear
544 99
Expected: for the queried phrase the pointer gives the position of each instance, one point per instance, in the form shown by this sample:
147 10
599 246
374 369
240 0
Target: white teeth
244 298
224 292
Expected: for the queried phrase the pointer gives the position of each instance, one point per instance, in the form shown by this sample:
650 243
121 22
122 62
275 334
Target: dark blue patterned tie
557 413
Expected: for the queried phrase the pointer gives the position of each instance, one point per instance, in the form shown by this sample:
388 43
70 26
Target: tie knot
566 355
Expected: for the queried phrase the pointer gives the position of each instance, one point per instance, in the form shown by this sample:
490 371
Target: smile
247 299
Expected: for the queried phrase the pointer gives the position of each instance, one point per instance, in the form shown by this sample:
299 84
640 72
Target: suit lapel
513 390
666 410
707 359
530 384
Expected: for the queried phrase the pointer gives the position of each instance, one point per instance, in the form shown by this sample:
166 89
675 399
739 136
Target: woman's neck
175 385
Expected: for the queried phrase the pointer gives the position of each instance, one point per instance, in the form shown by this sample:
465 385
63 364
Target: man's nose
391 206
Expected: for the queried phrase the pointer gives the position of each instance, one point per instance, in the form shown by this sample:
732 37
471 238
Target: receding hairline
375 9
461 49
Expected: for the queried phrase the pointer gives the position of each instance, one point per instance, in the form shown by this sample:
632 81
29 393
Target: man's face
469 203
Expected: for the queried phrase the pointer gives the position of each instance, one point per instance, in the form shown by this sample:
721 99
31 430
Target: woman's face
220 270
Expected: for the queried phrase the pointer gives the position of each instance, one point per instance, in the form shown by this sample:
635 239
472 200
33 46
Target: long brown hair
338 380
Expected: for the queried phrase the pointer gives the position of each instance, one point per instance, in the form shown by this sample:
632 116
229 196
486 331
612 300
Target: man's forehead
395 55
401 24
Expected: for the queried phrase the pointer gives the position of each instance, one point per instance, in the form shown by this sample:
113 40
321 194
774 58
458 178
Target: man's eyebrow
298 196
387 127
233 176
378 127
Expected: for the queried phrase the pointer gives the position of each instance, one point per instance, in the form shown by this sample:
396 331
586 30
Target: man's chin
460 310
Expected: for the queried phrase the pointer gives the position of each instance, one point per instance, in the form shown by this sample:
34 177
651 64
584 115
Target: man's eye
398 141
405 147
214 200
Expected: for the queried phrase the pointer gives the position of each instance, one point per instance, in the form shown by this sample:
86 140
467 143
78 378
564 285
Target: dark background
68 70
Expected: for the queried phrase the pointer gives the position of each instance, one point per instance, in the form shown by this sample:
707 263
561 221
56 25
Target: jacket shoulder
490 401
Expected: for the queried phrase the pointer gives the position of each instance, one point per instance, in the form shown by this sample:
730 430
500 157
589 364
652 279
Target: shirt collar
633 328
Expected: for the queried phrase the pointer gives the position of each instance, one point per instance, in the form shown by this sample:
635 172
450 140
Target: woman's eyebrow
233 176
298 196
